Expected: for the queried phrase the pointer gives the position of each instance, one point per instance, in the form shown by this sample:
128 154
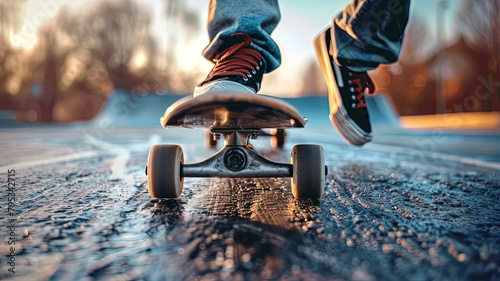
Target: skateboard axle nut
235 160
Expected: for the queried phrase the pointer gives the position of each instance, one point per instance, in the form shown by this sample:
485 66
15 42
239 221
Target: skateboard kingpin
236 117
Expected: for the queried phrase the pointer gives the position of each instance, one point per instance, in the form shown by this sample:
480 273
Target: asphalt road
410 207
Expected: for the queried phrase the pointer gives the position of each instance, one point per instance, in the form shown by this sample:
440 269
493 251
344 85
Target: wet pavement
415 211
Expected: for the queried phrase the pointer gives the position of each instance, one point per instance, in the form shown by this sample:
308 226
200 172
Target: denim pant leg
257 18
369 32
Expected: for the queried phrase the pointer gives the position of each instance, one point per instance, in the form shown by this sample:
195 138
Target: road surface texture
421 210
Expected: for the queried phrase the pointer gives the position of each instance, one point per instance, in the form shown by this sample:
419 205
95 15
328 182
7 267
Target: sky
300 22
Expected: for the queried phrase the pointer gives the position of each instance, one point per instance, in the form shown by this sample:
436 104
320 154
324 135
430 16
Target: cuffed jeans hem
351 53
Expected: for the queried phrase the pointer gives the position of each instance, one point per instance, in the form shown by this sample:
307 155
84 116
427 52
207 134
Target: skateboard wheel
164 171
308 171
278 138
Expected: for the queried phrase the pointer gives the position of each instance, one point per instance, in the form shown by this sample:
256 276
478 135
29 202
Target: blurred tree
479 24
118 33
188 19
478 21
182 24
82 56
469 64
10 19
10 57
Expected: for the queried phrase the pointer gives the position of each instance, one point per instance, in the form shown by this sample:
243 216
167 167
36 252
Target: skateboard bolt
235 160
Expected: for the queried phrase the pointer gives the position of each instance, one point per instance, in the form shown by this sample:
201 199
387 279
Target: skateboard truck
166 169
277 137
236 159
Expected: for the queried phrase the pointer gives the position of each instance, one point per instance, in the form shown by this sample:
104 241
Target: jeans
366 34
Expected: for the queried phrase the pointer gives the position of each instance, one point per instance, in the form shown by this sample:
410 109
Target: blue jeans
366 34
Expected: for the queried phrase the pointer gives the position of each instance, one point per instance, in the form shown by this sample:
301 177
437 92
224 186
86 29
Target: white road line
57 159
476 162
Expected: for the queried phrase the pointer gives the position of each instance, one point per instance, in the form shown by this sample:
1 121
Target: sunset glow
298 26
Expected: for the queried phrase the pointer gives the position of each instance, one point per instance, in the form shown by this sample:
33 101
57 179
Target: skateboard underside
229 110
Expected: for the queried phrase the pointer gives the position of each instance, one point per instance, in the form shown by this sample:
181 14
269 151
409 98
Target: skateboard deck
232 110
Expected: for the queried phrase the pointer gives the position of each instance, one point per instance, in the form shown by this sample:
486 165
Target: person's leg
234 27
366 34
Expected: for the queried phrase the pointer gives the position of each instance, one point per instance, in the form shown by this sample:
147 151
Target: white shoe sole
223 86
351 132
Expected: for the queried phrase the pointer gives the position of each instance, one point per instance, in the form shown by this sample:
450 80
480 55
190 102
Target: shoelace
239 59
360 86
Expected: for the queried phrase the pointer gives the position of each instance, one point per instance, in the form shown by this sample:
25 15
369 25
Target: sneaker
238 69
346 94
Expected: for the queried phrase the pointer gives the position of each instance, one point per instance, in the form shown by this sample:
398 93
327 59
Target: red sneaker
238 69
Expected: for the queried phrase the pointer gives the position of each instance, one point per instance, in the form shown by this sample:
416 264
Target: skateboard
237 117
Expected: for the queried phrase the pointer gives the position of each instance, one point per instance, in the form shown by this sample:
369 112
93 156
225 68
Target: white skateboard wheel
164 171
308 171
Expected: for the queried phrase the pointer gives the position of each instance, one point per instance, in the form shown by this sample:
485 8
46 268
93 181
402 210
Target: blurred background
61 61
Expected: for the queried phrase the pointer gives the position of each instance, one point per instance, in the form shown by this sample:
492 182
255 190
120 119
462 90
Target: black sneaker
238 69
346 94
